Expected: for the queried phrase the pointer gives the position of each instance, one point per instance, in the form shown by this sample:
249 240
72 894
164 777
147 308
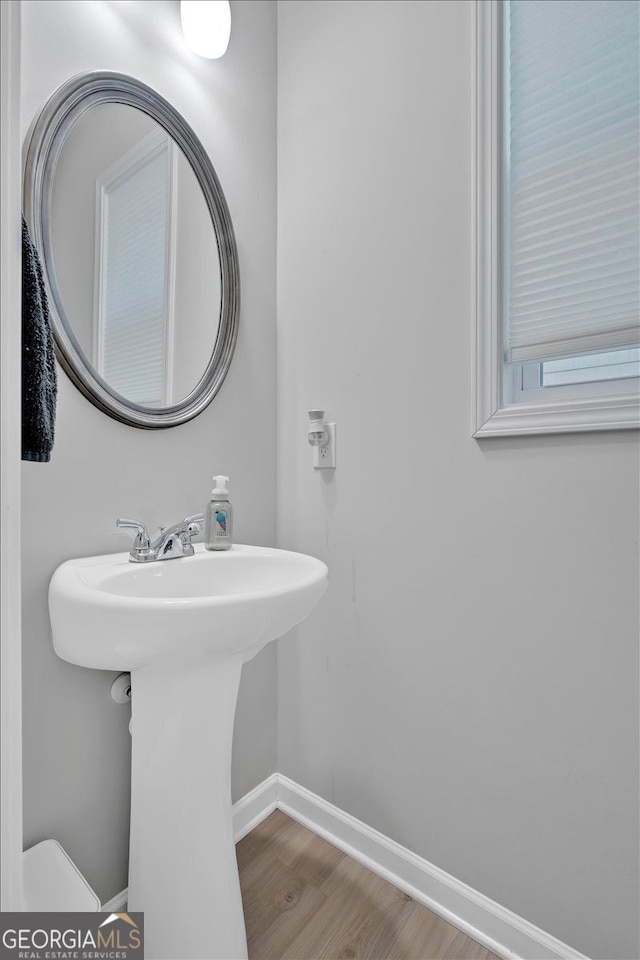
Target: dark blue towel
39 379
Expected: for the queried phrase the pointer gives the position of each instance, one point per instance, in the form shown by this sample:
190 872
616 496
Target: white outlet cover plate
324 458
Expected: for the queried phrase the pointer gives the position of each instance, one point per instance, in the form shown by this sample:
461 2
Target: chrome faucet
170 543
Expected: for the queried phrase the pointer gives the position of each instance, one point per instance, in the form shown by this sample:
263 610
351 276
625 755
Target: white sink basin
111 614
183 627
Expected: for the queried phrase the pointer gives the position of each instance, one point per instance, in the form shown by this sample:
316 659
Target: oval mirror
137 247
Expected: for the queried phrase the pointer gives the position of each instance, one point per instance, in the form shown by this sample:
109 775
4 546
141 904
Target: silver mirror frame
45 142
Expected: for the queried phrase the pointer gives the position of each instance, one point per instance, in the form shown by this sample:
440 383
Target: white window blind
571 245
134 313
591 368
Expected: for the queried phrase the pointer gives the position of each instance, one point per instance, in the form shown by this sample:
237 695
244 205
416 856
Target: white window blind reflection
133 347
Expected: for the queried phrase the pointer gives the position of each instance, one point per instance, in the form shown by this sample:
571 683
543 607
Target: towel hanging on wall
39 378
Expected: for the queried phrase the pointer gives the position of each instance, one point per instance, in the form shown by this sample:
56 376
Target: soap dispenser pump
219 516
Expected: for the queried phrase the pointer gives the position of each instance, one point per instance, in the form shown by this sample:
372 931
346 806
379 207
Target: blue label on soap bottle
220 529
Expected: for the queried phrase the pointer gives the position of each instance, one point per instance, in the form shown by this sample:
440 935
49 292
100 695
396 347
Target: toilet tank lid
53 883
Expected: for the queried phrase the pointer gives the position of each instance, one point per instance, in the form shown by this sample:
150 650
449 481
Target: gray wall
76 742
469 684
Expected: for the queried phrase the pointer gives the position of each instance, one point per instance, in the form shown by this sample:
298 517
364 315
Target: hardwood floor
306 900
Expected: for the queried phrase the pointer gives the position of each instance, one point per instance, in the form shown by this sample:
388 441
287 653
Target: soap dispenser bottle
219 516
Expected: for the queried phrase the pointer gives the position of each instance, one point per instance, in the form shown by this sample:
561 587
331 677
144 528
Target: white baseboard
496 928
252 809
117 903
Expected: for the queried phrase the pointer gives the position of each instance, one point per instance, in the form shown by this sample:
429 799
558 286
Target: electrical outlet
324 458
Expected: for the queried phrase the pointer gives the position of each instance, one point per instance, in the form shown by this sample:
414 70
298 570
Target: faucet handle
142 541
193 524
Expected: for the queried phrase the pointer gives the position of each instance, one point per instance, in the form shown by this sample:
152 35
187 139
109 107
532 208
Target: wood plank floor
306 900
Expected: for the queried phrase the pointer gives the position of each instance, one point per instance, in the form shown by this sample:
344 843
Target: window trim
491 416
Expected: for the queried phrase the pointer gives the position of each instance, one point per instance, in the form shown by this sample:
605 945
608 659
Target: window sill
619 412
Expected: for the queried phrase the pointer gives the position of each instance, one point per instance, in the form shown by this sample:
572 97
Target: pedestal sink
183 628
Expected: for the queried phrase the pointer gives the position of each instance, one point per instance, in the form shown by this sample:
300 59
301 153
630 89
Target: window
557 212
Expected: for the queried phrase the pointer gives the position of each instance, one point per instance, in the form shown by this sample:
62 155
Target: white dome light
206 25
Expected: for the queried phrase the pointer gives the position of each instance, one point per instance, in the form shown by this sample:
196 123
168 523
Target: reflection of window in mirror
134 289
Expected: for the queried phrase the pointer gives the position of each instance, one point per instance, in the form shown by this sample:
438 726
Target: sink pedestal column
182 865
